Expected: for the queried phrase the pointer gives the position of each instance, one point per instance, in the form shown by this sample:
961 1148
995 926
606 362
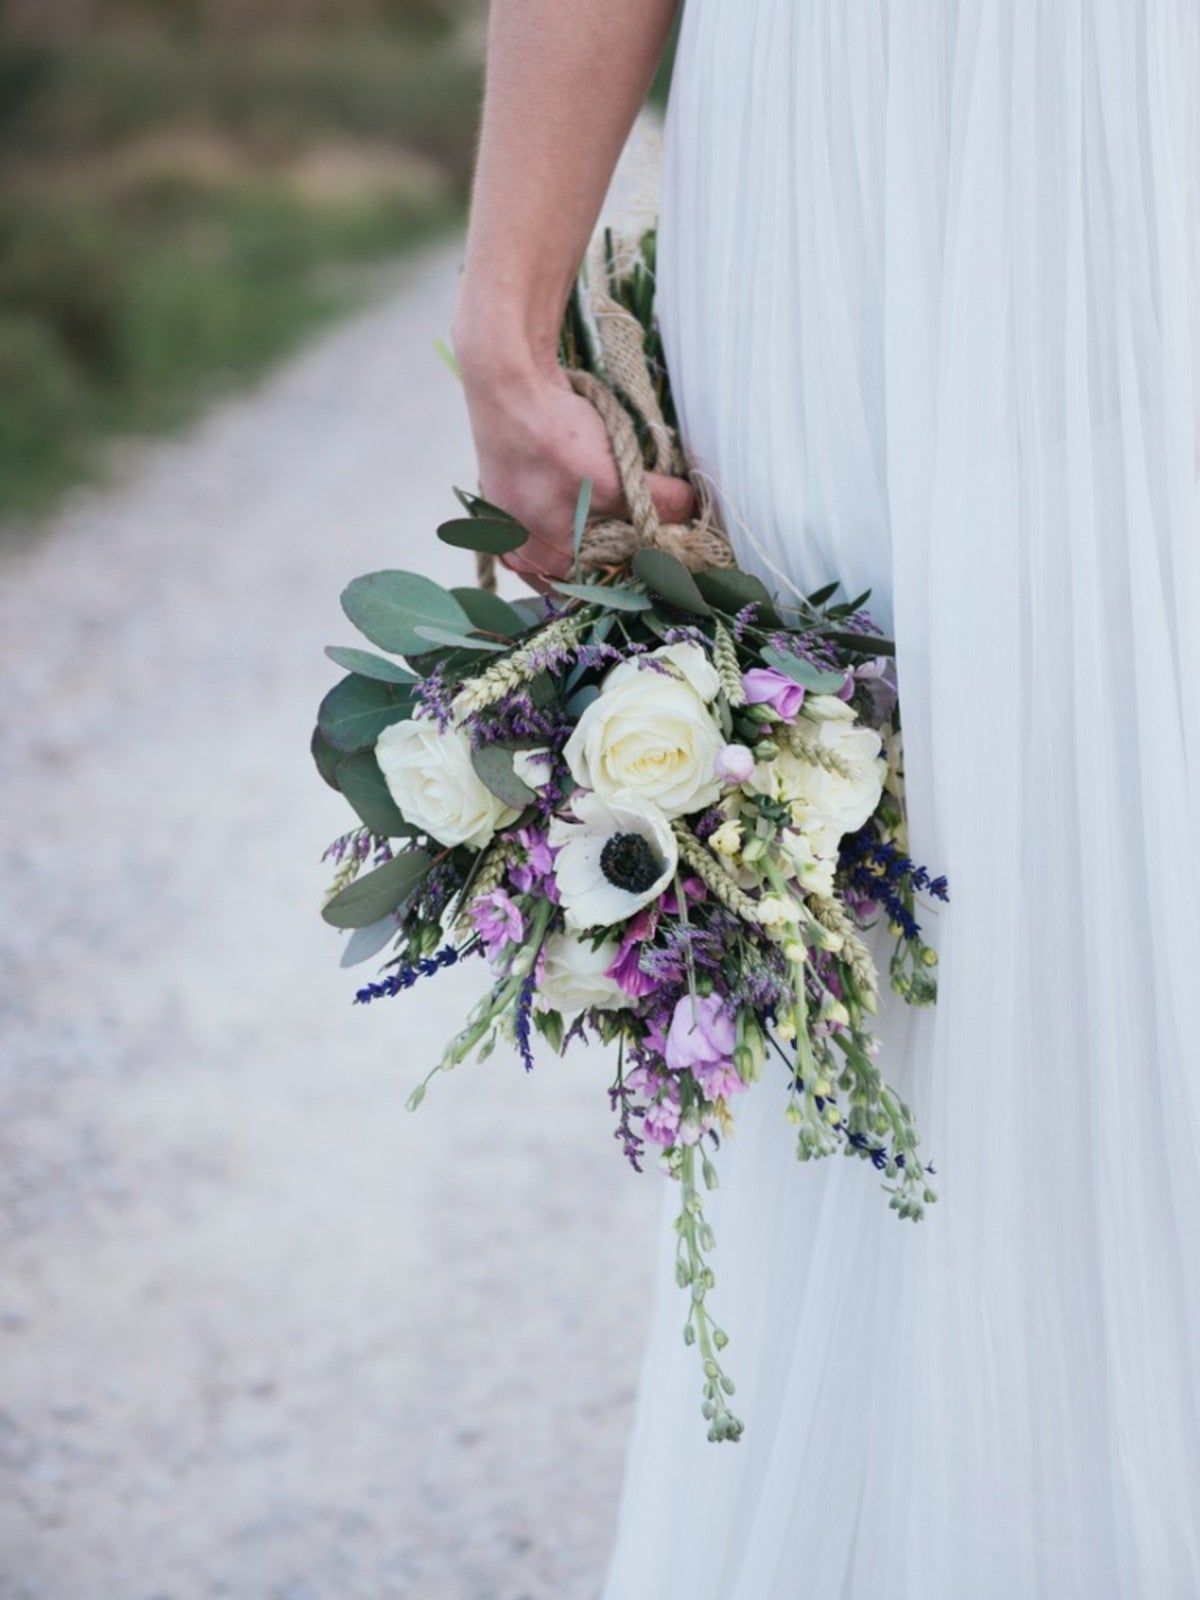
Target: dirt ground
263 1334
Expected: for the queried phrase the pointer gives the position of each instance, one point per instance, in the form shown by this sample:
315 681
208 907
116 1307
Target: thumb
674 498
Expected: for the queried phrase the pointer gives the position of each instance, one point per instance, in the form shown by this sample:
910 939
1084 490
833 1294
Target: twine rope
611 542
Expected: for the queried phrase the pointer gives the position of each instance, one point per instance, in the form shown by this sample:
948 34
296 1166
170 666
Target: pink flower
735 763
661 1122
702 1033
497 921
534 875
718 1079
766 687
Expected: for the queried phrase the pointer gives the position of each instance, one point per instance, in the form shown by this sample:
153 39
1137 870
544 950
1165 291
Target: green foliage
363 784
494 765
671 581
370 898
494 535
489 612
389 607
368 664
803 672
356 711
179 204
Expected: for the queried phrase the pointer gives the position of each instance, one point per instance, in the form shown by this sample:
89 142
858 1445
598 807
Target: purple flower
702 1033
497 921
718 1079
734 764
766 687
661 1122
627 971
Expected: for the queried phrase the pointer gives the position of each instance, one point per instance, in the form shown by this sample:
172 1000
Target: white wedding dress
931 291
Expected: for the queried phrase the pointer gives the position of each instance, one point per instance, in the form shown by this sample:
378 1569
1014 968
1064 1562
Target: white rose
828 708
650 735
686 661
430 777
574 976
827 805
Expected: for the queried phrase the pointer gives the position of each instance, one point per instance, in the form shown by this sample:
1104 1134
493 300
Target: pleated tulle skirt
931 288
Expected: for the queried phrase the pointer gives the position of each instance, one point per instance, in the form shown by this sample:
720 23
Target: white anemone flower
616 857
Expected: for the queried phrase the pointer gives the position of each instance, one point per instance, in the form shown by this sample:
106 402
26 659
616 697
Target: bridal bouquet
661 807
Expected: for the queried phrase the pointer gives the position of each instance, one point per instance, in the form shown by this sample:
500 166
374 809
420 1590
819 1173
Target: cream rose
575 975
430 777
827 805
650 735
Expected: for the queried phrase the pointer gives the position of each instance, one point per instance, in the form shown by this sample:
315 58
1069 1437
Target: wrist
501 342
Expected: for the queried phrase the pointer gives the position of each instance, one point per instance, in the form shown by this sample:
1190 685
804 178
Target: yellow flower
727 840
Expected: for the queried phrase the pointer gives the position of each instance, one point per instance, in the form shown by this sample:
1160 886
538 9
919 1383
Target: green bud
415 1098
689 1334
754 849
762 714
766 750
720 1338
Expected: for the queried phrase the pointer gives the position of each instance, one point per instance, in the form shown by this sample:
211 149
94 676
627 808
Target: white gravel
262 1333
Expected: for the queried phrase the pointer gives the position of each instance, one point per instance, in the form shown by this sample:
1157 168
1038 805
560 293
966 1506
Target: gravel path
263 1334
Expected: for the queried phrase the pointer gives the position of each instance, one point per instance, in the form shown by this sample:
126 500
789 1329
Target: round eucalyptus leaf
325 756
364 943
494 765
368 665
363 784
489 613
603 594
671 581
803 672
388 607
729 589
369 898
457 640
356 711
483 533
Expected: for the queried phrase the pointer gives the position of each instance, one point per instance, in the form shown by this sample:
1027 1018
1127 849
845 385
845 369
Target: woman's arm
565 80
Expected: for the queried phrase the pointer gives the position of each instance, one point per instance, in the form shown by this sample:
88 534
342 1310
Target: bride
930 286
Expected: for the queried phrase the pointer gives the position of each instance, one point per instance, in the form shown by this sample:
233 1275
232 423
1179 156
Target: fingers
674 498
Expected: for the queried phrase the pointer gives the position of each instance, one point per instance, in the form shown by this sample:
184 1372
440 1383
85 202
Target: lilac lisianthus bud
734 763
766 687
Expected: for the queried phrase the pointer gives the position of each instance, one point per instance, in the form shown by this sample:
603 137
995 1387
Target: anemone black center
628 861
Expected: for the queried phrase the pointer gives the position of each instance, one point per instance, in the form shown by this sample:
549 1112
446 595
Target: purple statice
404 977
438 888
745 619
598 653
707 823
620 1098
435 695
523 1021
516 717
808 647
686 633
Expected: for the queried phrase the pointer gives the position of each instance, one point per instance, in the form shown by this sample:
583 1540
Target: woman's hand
537 441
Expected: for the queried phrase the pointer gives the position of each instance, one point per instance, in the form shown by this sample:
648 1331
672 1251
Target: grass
178 210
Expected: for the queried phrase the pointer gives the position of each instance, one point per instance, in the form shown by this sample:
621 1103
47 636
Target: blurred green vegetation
187 188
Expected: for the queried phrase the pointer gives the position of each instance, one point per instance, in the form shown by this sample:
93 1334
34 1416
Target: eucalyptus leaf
457 640
578 703
364 785
489 613
494 765
495 536
671 581
363 902
820 596
730 589
448 356
356 711
582 506
803 672
364 943
368 665
388 607
325 756
476 506
603 594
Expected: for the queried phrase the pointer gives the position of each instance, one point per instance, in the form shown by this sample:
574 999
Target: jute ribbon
610 543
